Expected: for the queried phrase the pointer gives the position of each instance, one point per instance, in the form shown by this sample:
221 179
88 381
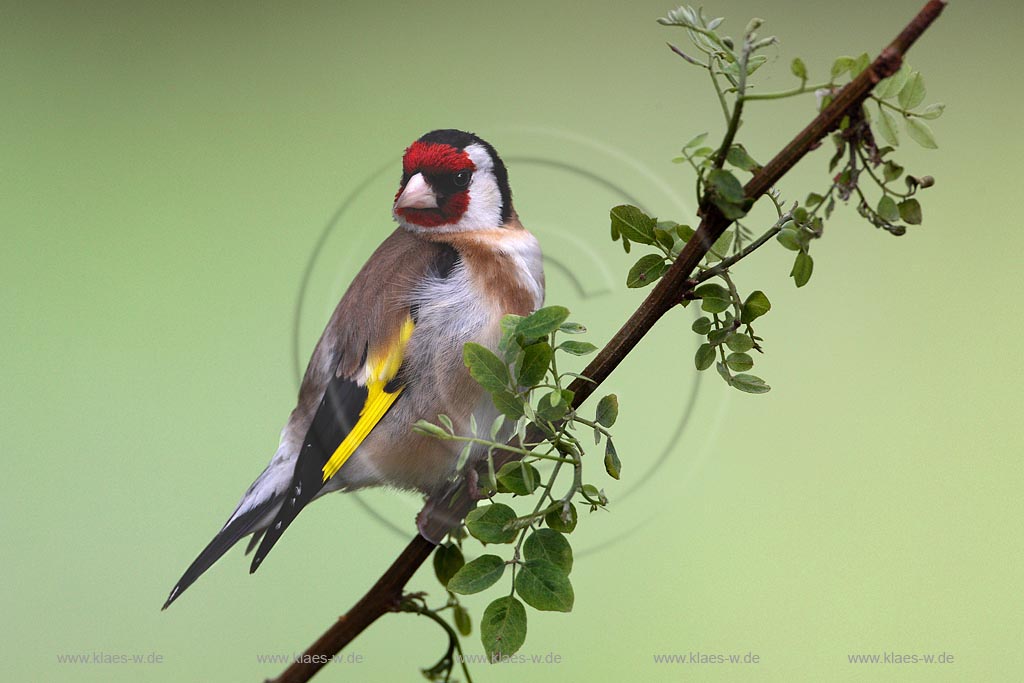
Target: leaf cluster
728 337
531 396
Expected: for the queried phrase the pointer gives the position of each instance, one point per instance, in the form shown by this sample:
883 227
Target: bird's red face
435 189
452 181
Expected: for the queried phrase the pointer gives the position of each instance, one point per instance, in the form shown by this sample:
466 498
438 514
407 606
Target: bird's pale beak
417 195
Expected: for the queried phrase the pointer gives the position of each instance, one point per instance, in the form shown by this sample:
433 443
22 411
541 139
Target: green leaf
727 193
723 371
842 65
554 405
646 271
754 63
664 237
754 307
910 211
548 544
592 494
460 615
913 92
933 111
720 248
542 322
430 429
714 298
496 426
510 405
478 575
533 364
790 239
695 141
544 586
738 157
572 328
607 410
463 456
705 356
891 86
886 126
685 232
487 523
862 62
750 384
921 133
717 336
509 323
487 369
739 362
739 342
612 465
799 69
887 208
577 348
668 227
446 422
447 561
518 477
891 171
503 628
633 224
510 344
701 325
565 525
802 268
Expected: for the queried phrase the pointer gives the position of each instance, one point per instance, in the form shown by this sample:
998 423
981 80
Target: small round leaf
478 575
548 544
447 561
544 586
739 362
705 357
739 342
503 628
487 523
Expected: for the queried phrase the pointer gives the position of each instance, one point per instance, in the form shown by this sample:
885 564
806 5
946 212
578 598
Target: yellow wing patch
381 368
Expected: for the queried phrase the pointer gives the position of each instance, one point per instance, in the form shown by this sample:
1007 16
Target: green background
166 174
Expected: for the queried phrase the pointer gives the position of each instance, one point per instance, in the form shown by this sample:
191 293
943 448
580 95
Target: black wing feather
337 415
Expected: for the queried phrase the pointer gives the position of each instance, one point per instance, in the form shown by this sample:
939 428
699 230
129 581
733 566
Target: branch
445 512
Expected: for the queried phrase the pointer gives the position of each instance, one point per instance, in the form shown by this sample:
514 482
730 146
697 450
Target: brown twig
456 502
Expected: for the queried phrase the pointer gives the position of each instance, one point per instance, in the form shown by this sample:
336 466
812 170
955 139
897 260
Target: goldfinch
391 353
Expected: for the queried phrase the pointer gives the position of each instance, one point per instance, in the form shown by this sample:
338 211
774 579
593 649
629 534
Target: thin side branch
448 510
727 263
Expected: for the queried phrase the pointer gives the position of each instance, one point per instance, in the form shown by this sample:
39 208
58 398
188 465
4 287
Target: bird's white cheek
484 209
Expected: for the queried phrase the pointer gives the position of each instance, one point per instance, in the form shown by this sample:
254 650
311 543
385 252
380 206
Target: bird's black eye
462 178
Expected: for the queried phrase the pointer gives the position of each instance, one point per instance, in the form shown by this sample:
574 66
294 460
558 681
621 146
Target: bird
458 261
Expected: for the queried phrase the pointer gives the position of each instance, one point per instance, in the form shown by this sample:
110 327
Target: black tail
243 525
338 413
